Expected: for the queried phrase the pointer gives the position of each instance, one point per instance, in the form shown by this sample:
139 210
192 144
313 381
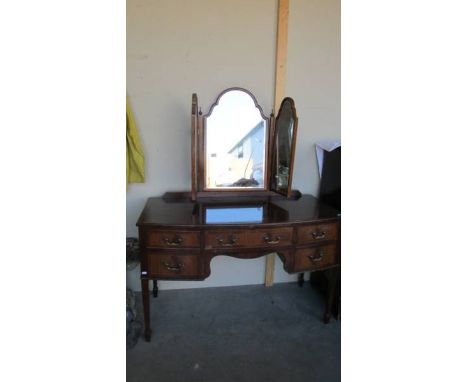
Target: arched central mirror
238 151
235 143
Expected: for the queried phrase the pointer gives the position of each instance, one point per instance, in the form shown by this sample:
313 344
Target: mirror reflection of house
247 158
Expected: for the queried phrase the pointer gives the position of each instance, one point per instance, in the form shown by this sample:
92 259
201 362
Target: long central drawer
256 237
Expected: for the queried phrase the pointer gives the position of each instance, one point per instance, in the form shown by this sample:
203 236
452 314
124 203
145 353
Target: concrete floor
246 333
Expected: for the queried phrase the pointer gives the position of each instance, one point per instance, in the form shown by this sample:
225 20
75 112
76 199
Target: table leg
146 308
300 280
332 276
155 288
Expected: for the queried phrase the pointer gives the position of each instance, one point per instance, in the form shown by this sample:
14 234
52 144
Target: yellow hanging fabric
135 158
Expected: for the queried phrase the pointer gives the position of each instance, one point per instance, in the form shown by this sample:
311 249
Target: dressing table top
182 212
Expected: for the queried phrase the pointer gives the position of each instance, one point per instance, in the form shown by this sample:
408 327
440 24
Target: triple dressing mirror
237 150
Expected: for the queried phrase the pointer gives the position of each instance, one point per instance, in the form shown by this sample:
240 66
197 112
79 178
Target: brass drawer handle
318 235
232 241
269 240
316 258
173 268
176 241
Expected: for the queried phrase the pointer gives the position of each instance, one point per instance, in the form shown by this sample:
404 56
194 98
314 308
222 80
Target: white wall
178 47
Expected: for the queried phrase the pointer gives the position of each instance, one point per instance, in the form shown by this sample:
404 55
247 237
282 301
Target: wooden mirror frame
199 188
198 120
273 170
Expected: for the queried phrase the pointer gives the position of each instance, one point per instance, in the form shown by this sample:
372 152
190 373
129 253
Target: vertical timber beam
280 86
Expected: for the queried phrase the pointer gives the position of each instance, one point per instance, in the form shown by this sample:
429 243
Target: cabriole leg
332 276
300 280
146 308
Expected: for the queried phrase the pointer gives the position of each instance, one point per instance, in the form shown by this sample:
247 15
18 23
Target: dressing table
241 203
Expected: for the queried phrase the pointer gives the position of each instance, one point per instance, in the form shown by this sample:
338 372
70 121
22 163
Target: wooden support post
281 52
269 269
280 86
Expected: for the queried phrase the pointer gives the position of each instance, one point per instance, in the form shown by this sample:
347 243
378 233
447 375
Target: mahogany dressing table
241 203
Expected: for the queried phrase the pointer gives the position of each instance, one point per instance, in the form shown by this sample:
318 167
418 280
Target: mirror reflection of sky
231 120
234 215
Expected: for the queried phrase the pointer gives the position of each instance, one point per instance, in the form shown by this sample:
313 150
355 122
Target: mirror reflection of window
235 143
234 215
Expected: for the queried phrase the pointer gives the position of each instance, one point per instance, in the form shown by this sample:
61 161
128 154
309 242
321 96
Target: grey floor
246 333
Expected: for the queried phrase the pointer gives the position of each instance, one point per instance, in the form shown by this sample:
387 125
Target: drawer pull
269 240
318 235
316 258
173 268
232 241
176 241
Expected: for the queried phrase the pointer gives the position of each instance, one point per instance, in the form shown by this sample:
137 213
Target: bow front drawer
172 239
308 259
274 237
317 233
173 266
